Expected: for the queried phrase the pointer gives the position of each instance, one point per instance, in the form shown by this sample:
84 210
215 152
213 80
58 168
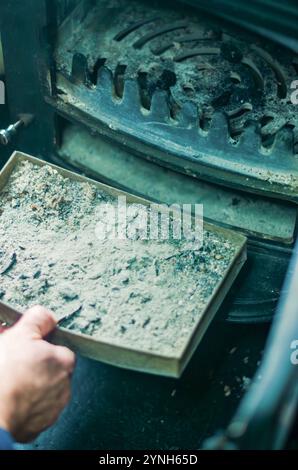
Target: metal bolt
7 134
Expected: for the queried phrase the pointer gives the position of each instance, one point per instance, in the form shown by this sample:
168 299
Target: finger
66 358
38 321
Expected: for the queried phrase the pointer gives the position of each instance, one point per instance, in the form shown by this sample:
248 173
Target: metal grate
213 102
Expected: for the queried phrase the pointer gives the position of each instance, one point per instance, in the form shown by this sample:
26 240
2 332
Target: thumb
38 322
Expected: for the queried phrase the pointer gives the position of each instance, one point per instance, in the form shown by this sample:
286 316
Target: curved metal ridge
277 69
182 40
132 28
158 32
194 52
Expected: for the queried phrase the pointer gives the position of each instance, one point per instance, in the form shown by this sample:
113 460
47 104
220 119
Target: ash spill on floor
143 294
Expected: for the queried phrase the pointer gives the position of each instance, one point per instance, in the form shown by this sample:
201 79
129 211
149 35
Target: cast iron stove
210 101
172 97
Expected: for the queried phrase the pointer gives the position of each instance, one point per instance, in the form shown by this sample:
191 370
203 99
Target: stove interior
189 91
170 103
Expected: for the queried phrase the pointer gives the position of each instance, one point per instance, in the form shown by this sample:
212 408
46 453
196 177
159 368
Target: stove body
170 103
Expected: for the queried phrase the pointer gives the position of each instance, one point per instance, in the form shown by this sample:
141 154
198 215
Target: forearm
35 378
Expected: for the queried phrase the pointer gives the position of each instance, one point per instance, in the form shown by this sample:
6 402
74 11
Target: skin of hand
35 376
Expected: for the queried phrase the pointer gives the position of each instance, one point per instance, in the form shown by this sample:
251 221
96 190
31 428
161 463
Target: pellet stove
173 103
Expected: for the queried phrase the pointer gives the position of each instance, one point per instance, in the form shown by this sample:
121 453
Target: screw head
3 137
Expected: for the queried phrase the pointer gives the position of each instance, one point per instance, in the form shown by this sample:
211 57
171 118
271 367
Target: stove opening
202 96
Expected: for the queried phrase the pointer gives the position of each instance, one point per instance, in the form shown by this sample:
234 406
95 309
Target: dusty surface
147 295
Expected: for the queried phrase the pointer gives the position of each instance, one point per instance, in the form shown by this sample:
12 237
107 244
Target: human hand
34 376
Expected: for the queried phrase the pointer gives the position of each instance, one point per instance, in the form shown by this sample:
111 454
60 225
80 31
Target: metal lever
6 135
